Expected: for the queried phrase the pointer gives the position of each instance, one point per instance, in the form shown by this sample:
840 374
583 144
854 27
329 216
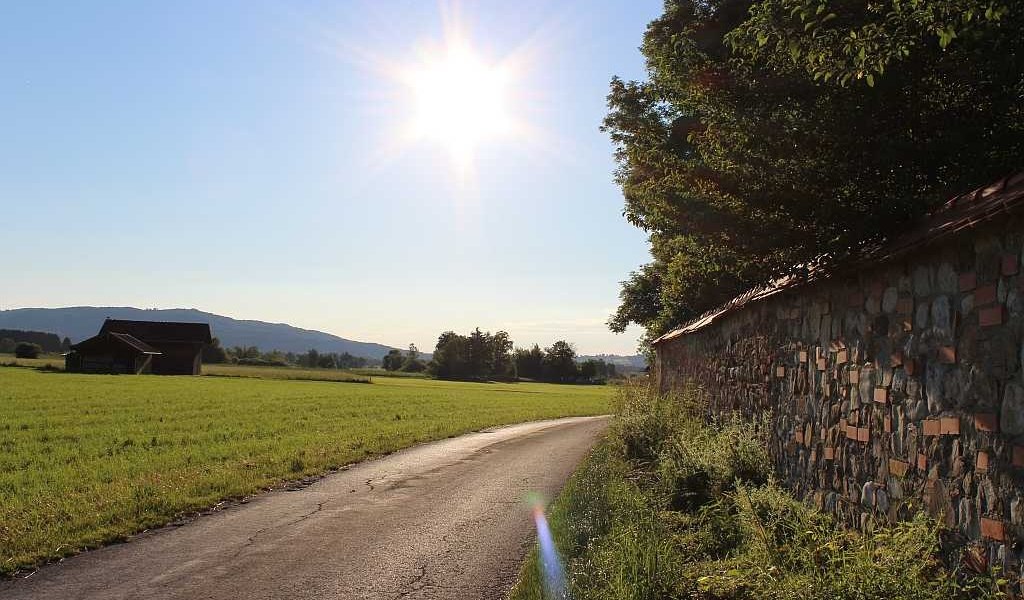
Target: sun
459 100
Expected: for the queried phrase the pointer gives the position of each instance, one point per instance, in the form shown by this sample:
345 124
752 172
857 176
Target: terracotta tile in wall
1009 265
932 427
981 461
986 422
881 395
987 317
950 426
898 467
1018 456
986 294
993 529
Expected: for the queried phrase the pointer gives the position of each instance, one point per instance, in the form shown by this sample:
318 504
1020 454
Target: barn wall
897 382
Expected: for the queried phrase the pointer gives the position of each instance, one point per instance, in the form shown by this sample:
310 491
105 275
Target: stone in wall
900 386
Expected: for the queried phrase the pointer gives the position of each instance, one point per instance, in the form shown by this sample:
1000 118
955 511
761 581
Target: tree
560 362
393 360
502 366
7 345
65 345
27 350
772 136
480 357
213 353
327 361
450 356
412 362
529 363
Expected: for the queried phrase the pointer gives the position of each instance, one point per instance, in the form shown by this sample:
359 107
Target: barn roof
160 331
959 213
123 339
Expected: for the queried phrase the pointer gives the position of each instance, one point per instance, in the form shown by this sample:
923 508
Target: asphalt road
441 520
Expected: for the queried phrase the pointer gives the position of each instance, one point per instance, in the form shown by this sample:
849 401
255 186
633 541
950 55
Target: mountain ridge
81 322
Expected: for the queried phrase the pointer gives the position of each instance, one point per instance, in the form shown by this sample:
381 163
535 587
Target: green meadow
90 459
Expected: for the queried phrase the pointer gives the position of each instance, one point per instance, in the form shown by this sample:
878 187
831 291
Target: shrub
27 350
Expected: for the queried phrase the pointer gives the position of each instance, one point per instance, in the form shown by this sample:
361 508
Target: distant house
141 347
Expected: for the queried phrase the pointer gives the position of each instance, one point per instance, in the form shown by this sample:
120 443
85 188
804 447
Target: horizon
422 350
381 173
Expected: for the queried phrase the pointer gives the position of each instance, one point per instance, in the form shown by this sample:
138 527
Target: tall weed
673 505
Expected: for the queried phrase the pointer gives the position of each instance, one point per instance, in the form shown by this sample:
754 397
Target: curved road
441 520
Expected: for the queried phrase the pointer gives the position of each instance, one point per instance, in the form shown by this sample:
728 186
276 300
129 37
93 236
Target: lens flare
550 564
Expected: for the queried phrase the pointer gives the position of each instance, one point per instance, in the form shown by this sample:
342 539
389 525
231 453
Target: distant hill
637 362
81 322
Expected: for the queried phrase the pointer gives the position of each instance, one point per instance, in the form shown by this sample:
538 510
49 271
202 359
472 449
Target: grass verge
292 373
668 506
89 459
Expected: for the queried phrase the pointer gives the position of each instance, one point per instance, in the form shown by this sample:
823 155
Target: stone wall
891 386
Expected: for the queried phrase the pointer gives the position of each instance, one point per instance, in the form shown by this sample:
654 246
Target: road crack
252 538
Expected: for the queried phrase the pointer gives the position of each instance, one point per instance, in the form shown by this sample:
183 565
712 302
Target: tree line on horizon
483 356
478 356
214 353
46 342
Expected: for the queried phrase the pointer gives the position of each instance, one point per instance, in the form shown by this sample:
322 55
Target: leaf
871 80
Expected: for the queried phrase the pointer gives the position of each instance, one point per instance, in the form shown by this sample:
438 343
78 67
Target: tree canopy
772 135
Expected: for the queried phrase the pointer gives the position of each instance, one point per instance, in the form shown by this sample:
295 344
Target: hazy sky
258 160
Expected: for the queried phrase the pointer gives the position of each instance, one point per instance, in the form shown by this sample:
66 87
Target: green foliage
559 363
214 354
846 42
27 350
393 360
748 153
7 346
49 342
671 506
253 356
529 362
479 356
87 459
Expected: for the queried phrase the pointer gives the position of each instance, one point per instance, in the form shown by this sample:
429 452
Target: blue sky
250 159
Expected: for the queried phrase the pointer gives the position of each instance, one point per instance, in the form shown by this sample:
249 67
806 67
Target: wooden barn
156 347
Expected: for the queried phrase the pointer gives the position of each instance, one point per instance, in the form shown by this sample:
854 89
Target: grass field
88 459
296 373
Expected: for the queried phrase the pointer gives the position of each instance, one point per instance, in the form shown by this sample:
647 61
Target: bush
7 345
27 350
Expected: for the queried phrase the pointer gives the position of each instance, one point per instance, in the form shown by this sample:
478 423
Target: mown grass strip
87 459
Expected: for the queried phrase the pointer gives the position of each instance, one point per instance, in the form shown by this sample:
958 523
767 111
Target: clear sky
282 161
